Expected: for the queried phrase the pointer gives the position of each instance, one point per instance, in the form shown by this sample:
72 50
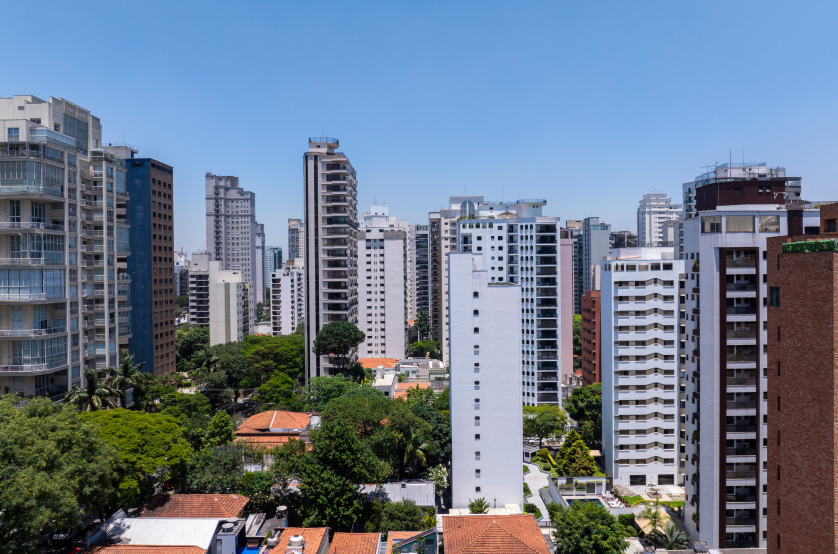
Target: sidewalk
536 481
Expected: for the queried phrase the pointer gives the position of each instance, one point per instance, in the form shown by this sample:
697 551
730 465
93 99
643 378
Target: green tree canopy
256 485
423 325
586 527
403 515
98 391
327 498
215 470
544 422
51 464
267 355
220 430
321 390
579 462
180 406
190 339
337 339
423 348
130 375
478 506
585 405
148 444
278 392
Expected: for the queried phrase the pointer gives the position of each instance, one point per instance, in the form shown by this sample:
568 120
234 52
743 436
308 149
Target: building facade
802 368
726 264
259 280
383 285
421 269
571 232
234 237
486 423
624 239
591 338
64 244
593 246
199 288
273 262
181 279
150 267
641 381
230 312
296 239
287 298
331 243
655 209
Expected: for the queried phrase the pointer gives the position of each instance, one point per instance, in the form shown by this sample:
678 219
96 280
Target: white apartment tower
486 423
273 262
654 210
726 229
64 241
383 284
230 312
234 238
519 245
411 272
258 272
641 380
199 309
296 239
287 297
331 243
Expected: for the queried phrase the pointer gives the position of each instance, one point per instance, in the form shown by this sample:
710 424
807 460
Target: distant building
492 533
287 300
230 314
420 270
273 262
199 308
623 239
591 338
593 246
654 210
296 239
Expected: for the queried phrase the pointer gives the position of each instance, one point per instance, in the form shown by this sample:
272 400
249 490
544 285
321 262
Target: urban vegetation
584 406
586 527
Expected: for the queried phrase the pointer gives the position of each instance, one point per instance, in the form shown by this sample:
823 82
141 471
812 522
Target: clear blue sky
587 104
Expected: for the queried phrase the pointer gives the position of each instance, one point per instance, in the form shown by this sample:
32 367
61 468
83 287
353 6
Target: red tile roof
136 549
402 388
484 534
313 537
265 421
195 506
355 543
399 535
372 363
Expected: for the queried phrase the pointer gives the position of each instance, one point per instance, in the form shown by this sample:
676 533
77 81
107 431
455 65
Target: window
774 296
476 312
14 134
477 436
477 419
739 224
830 225
476 294
769 224
737 192
711 224
477 385
477 489
477 330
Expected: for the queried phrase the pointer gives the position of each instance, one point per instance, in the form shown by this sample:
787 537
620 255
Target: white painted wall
286 300
490 390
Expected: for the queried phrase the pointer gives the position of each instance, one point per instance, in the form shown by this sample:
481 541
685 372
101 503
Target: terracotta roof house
137 549
315 540
275 427
215 506
408 541
484 534
374 363
355 543
402 388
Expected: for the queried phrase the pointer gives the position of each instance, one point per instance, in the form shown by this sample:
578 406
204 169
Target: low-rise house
195 506
299 540
409 541
274 428
386 383
489 534
171 536
355 543
402 388
420 492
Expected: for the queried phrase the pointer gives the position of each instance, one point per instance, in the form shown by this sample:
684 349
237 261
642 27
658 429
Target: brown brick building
802 413
589 308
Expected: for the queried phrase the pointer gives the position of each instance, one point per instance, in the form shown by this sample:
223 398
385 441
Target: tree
301 327
327 499
577 335
418 445
652 512
190 339
439 475
567 446
267 355
337 445
478 506
423 325
53 463
128 375
670 538
585 405
278 392
337 339
426 348
181 406
579 462
321 390
404 515
182 301
98 392
256 485
220 430
586 527
544 421
148 445
215 470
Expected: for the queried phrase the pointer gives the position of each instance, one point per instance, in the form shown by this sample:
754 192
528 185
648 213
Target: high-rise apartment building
331 243
591 337
182 264
802 338
421 269
593 246
382 284
624 239
150 266
260 282
296 239
571 231
725 236
486 424
521 246
411 272
641 382
234 238
654 210
273 262
229 305
287 298
64 286
199 288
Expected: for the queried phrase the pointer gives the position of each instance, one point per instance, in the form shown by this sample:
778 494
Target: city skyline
634 120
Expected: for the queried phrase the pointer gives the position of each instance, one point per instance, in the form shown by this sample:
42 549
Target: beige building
64 241
229 305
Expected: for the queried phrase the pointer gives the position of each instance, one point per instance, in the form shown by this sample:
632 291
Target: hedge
810 246
527 490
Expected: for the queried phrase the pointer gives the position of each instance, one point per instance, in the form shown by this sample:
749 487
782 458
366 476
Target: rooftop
402 388
421 492
355 543
135 549
151 531
276 422
218 506
372 363
479 534
313 537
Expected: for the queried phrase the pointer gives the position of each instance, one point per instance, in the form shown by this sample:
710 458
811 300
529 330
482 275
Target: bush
527 491
810 246
628 524
532 509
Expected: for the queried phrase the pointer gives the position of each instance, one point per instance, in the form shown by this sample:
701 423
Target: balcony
740 287
740 334
30 261
741 406
740 452
741 474
741 310
739 263
740 521
30 187
740 428
31 332
29 226
740 498
33 369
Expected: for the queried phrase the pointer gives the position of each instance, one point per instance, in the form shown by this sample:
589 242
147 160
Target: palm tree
651 511
96 393
128 375
418 445
204 360
671 539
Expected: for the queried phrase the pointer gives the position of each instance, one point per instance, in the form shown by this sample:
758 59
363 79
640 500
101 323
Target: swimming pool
570 501
248 550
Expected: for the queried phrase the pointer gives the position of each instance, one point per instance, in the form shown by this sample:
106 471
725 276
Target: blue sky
588 104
